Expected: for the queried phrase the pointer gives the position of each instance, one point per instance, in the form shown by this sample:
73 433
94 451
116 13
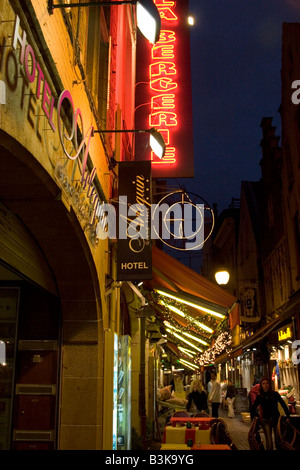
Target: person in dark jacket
230 392
198 397
267 401
230 398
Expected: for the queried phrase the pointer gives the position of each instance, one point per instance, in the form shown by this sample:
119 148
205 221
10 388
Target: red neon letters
163 81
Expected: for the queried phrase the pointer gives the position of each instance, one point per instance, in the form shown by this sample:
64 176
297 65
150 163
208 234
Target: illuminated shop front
285 367
52 266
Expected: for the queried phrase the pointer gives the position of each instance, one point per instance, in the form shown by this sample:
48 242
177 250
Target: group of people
264 403
200 398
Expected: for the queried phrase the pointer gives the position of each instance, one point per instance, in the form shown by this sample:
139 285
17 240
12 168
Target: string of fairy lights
195 337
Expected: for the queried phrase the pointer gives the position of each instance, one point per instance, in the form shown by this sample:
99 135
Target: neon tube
184 340
191 304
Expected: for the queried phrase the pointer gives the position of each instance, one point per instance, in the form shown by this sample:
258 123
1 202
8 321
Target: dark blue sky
236 81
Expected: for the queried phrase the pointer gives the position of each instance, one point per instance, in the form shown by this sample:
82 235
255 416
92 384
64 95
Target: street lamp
222 276
157 142
148 17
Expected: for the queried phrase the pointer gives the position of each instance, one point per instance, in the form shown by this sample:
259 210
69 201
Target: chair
288 435
224 436
201 414
180 414
254 439
219 434
213 433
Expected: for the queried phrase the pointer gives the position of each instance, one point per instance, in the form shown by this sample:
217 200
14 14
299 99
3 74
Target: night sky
236 81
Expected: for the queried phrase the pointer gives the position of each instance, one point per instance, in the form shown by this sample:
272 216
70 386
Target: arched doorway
57 273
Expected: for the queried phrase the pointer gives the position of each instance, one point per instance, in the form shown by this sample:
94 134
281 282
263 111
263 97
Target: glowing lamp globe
222 277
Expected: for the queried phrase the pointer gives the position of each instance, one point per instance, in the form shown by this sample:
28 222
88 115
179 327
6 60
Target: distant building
267 274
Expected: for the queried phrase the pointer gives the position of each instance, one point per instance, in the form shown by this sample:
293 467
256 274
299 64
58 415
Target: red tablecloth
181 435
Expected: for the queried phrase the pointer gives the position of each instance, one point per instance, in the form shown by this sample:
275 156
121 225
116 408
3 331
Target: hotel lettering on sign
134 252
163 92
29 98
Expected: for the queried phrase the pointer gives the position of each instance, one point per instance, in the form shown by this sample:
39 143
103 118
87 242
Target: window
97 60
297 243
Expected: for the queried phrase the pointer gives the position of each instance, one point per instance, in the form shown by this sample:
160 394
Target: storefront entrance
54 338
29 331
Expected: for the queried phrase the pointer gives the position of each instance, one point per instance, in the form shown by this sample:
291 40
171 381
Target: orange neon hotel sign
163 92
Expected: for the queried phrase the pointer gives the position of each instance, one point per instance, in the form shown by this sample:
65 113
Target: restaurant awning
189 308
224 357
269 327
288 310
172 276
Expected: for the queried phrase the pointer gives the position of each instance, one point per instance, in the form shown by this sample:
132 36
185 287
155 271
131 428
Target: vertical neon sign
163 75
163 92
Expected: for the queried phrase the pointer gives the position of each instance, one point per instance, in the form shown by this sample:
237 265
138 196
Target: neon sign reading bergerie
163 81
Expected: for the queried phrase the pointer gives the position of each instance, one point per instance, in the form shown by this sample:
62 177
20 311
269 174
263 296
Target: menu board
241 400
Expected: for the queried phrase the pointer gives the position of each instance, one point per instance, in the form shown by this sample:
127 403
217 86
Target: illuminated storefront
54 271
285 367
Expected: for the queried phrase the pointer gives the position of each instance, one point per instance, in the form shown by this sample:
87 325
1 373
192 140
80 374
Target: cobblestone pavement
238 429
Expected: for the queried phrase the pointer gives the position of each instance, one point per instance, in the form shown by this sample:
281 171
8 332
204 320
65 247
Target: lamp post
222 276
148 17
157 142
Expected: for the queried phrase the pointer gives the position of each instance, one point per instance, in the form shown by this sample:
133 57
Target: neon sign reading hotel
163 84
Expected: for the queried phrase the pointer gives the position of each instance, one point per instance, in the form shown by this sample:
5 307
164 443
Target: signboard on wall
134 251
164 94
285 333
241 400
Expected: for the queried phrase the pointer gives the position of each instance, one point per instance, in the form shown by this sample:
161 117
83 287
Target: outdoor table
181 435
203 423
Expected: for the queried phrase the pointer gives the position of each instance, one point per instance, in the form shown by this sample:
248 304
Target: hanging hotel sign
134 252
163 93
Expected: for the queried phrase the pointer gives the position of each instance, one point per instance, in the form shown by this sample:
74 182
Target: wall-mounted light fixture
157 142
191 20
147 14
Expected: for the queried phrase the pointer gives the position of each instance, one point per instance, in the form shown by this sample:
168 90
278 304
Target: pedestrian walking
230 399
266 403
214 396
197 397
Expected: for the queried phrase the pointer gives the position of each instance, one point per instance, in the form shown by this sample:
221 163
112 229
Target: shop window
9 300
29 358
125 326
297 243
97 60
2 353
35 404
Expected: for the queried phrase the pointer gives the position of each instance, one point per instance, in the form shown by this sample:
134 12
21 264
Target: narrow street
238 429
